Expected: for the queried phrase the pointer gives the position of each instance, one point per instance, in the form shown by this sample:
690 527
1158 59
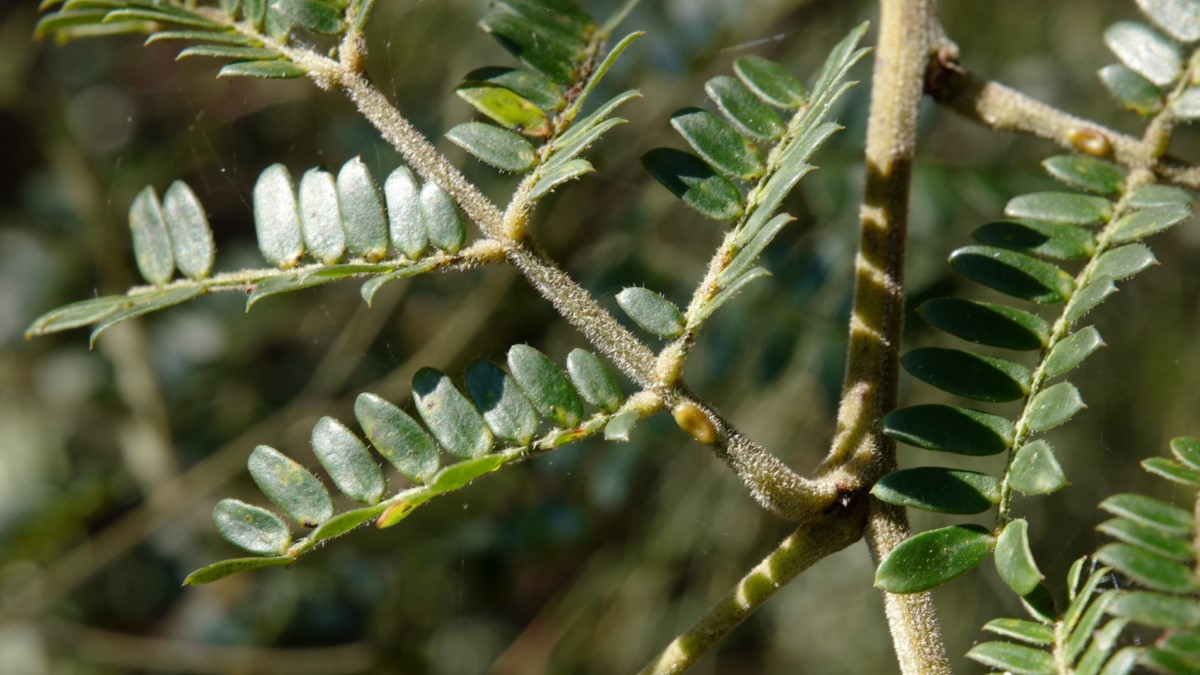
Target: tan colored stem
799 551
998 107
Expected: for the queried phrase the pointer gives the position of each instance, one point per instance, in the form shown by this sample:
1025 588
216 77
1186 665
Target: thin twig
800 550
1001 108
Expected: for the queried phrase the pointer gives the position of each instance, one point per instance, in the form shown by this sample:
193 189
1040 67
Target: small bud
692 419
1090 142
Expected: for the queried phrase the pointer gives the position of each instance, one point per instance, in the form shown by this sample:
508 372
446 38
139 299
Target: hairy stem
861 454
998 107
799 551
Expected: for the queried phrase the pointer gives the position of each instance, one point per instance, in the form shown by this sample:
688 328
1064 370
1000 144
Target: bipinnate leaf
1131 90
930 559
505 409
1087 173
348 462
360 204
949 429
290 486
398 437
1144 51
1014 559
494 146
1072 351
593 380
545 385
1070 208
719 145
1157 610
151 242
443 223
277 217
191 237
1148 569
1039 237
1187 450
1150 512
1180 18
1029 632
983 378
693 181
1124 262
1142 224
986 323
654 313
228 568
1053 406
320 216
455 423
940 490
744 110
1013 658
1013 273
1035 470
771 82
406 219
251 528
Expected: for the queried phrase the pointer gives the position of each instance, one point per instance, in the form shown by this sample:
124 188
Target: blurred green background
587 560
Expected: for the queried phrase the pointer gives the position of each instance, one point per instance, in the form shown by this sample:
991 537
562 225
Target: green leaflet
227 568
1069 208
1150 512
1187 450
593 380
1145 52
1149 196
548 51
1035 470
558 174
320 217
348 462
277 217
1157 610
546 386
271 70
360 204
939 490
1131 90
406 219
443 223
1019 629
743 109
251 528
986 323
771 82
397 437
1144 223
452 419
1007 656
505 409
1124 262
1071 351
1087 173
290 486
526 84
151 242
318 16
1013 273
494 146
1044 238
967 374
930 559
654 313
1014 560
1148 538
191 237
1177 17
506 107
719 145
144 303
1172 471
693 181
1148 569
1053 407
949 429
